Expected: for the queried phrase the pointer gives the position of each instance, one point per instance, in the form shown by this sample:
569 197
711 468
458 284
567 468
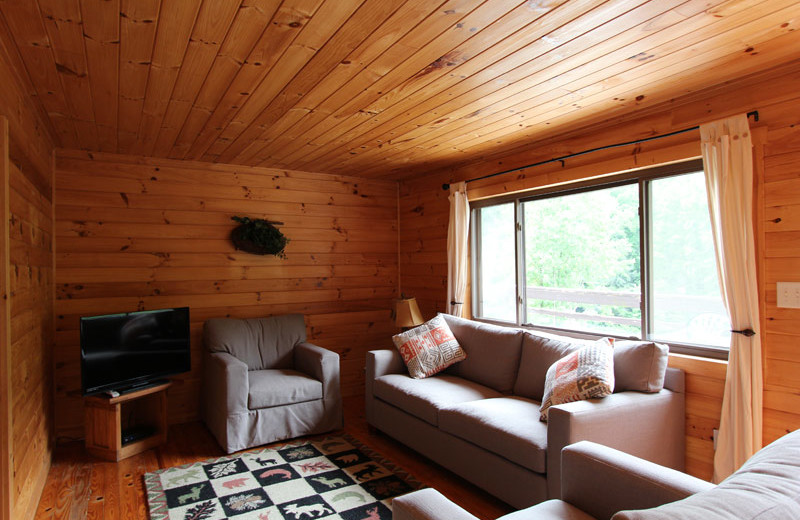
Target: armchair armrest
649 426
601 481
427 504
226 385
321 364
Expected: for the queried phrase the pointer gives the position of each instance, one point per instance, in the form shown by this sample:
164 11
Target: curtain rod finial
445 186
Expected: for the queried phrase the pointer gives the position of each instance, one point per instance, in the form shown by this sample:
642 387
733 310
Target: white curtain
728 164
457 249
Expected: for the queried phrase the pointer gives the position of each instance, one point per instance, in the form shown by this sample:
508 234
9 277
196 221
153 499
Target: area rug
332 478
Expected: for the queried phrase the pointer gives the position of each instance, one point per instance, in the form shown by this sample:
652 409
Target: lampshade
406 313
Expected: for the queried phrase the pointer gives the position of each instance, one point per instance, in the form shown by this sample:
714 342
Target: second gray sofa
480 418
599 483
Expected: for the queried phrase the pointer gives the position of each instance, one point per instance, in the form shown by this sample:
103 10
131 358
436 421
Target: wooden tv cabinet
107 417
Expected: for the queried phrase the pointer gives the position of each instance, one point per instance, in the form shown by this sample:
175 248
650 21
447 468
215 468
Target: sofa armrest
427 504
601 481
321 364
649 426
379 363
226 385
382 362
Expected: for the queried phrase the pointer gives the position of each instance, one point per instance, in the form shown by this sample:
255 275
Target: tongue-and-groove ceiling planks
376 88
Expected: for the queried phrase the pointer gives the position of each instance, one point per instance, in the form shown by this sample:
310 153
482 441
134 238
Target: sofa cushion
269 388
766 487
492 353
539 352
425 397
262 343
429 348
640 366
507 426
587 373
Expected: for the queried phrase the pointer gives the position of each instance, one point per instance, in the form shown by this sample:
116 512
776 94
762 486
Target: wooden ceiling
378 88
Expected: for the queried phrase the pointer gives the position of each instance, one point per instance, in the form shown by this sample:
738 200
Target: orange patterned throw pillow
429 348
586 373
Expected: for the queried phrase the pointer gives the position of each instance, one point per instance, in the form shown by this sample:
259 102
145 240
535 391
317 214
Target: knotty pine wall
424 212
31 277
26 286
136 233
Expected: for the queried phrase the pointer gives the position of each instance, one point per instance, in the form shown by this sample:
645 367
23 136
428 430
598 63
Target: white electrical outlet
789 295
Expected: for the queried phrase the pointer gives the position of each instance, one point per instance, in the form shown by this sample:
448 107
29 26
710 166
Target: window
631 257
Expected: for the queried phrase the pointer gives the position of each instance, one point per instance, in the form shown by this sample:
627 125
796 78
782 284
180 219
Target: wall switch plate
789 295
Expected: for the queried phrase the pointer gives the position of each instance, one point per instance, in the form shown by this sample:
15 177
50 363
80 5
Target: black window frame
641 178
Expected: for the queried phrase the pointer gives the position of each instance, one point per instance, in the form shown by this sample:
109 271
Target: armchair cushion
260 342
280 387
507 426
425 397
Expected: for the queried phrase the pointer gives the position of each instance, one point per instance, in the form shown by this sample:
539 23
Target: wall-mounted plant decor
258 236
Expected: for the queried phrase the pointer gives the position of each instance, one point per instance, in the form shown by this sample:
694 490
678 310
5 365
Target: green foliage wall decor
258 236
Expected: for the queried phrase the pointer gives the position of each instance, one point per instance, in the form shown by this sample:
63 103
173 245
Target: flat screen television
130 350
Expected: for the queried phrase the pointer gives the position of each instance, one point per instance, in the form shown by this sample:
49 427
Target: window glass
496 252
582 261
686 299
583 255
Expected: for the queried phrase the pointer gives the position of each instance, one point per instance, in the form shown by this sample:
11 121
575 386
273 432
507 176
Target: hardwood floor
81 486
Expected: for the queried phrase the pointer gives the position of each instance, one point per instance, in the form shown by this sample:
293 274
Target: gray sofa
599 483
480 417
263 382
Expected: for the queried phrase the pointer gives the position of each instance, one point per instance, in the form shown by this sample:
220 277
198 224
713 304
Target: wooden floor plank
81 486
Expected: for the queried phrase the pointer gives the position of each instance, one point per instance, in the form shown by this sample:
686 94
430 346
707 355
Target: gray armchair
264 383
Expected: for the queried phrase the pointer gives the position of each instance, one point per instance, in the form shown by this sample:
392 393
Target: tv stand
140 386
106 424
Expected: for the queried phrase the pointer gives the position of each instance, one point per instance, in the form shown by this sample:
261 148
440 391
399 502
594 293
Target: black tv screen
121 351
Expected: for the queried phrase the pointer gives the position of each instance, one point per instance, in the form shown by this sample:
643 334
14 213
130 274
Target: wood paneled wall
424 213
26 323
31 277
145 234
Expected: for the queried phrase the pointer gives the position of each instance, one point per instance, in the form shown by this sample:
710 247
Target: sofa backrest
766 487
538 353
638 365
493 353
261 343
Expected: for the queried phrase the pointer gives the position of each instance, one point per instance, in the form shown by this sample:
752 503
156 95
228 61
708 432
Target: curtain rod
446 186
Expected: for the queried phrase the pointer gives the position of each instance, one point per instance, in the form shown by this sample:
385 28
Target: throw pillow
587 373
429 348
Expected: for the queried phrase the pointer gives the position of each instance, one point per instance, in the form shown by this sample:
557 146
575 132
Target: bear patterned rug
330 478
